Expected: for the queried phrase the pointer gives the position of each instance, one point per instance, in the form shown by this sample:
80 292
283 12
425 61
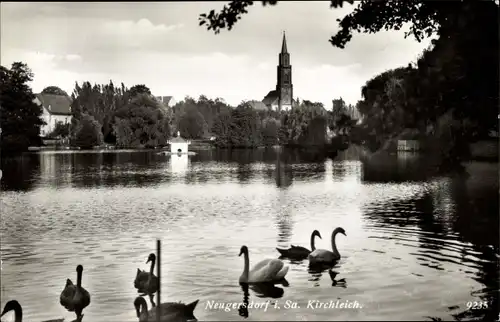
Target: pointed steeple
283 46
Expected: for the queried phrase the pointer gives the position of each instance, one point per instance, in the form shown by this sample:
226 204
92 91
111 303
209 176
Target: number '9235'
477 305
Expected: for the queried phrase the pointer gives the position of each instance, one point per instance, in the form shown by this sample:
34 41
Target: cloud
73 57
143 27
45 67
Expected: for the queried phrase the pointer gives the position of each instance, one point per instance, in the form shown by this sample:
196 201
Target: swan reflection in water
337 282
261 290
316 272
318 268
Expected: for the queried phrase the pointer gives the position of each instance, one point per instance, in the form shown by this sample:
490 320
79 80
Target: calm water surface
417 246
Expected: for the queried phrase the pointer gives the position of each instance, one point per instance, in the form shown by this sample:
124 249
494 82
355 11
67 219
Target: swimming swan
323 256
299 252
14 305
147 282
268 270
74 297
169 312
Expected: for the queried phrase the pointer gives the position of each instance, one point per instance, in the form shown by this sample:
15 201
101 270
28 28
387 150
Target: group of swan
315 256
75 298
274 270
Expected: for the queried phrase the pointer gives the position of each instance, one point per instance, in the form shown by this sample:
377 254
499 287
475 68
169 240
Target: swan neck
152 269
247 266
313 247
334 245
79 279
18 314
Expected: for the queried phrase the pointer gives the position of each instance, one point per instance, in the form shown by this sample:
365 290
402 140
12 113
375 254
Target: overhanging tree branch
425 18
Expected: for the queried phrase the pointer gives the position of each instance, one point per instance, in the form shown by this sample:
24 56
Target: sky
161 45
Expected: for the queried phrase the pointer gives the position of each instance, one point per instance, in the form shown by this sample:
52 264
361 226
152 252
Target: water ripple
405 256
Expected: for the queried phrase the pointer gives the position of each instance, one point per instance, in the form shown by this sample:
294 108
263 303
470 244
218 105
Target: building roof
284 50
257 105
55 104
164 99
271 98
178 139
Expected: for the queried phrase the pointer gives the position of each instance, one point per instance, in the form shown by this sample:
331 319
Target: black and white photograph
183 161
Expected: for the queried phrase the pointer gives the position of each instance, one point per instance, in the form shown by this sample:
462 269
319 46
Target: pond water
417 246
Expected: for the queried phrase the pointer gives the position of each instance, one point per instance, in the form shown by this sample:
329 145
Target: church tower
284 87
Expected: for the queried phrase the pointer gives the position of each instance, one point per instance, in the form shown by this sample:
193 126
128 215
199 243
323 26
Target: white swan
323 256
268 270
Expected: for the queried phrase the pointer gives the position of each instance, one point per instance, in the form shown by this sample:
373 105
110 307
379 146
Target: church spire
283 46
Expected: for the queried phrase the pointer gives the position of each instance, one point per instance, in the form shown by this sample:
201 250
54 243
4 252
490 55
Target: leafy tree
245 127
211 108
100 101
139 89
221 128
87 133
315 132
297 126
337 115
238 128
270 127
338 106
20 117
60 130
191 123
54 90
141 123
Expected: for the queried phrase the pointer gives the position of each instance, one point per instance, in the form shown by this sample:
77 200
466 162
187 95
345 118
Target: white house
178 144
56 108
168 101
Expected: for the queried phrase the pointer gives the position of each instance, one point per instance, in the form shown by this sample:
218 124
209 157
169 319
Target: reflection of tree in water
338 170
478 226
352 153
244 159
284 220
20 173
244 172
199 175
382 169
116 169
477 222
283 176
283 173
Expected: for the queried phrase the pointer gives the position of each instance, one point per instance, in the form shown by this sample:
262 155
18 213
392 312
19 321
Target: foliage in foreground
20 117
